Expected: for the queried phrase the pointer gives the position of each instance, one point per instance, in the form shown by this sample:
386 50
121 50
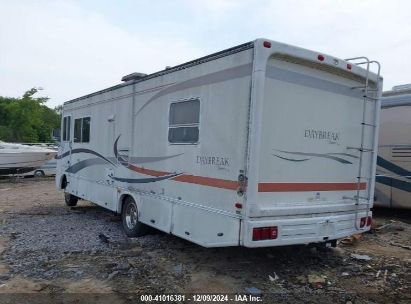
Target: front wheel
131 225
70 199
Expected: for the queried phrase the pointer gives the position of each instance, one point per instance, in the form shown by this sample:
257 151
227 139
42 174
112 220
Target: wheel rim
131 216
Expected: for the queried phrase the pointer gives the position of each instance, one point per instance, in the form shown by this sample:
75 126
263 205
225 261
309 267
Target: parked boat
18 158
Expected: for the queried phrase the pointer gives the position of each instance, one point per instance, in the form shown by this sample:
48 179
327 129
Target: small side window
184 121
82 129
77 130
85 134
66 128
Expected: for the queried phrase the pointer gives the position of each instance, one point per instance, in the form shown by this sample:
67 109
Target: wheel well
123 198
63 183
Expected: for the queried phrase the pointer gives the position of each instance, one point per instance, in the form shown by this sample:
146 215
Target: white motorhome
263 144
393 182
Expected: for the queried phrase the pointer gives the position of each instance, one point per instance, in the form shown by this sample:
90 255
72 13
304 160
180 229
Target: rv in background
393 182
263 144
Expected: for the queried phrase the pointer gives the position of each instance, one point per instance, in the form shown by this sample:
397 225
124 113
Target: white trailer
393 187
263 144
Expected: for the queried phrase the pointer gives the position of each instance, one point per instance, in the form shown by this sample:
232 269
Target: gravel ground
80 254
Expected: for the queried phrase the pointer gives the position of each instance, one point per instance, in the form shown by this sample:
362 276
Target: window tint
82 129
77 130
183 135
187 112
184 121
66 128
86 130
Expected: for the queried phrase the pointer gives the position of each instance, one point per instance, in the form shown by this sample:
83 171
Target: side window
184 121
77 130
82 129
85 133
66 128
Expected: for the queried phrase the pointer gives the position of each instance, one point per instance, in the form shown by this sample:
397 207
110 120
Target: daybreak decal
308 156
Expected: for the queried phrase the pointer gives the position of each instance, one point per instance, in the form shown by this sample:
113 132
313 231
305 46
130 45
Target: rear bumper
292 231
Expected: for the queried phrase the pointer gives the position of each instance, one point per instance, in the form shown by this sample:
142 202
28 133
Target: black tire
70 199
129 215
39 173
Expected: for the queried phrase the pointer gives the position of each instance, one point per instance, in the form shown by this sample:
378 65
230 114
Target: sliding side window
66 128
184 121
82 130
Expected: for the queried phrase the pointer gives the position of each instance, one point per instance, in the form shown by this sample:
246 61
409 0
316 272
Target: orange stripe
207 181
291 187
147 171
192 179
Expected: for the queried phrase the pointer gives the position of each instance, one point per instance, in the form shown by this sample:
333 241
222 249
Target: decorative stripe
393 182
291 159
312 82
393 167
325 155
192 179
295 187
82 150
85 163
143 180
224 75
139 160
148 171
207 181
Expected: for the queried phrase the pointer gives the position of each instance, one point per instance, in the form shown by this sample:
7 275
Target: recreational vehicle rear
263 144
393 187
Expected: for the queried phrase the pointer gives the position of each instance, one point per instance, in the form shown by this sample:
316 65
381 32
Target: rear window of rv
82 129
184 120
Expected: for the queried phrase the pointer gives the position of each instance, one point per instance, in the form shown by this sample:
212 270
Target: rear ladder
365 124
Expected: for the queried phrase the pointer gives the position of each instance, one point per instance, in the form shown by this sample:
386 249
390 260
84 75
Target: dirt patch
81 255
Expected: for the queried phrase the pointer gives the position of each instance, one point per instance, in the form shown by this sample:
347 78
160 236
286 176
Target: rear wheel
39 173
131 225
70 199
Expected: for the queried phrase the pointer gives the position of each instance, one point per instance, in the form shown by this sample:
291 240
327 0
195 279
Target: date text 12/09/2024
200 298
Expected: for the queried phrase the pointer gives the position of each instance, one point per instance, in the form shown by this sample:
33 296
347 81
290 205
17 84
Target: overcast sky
71 48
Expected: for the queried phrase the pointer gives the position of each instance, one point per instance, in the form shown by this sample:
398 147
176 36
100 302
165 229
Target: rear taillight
365 221
265 233
349 66
362 222
320 57
256 234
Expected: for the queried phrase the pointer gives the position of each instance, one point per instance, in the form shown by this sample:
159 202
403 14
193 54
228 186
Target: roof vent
133 76
402 87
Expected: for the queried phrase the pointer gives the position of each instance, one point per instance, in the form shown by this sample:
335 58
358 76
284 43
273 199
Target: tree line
27 119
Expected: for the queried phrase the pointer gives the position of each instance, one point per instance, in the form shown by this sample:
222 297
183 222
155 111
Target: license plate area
326 229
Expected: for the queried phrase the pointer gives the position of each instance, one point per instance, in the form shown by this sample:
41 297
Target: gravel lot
51 253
